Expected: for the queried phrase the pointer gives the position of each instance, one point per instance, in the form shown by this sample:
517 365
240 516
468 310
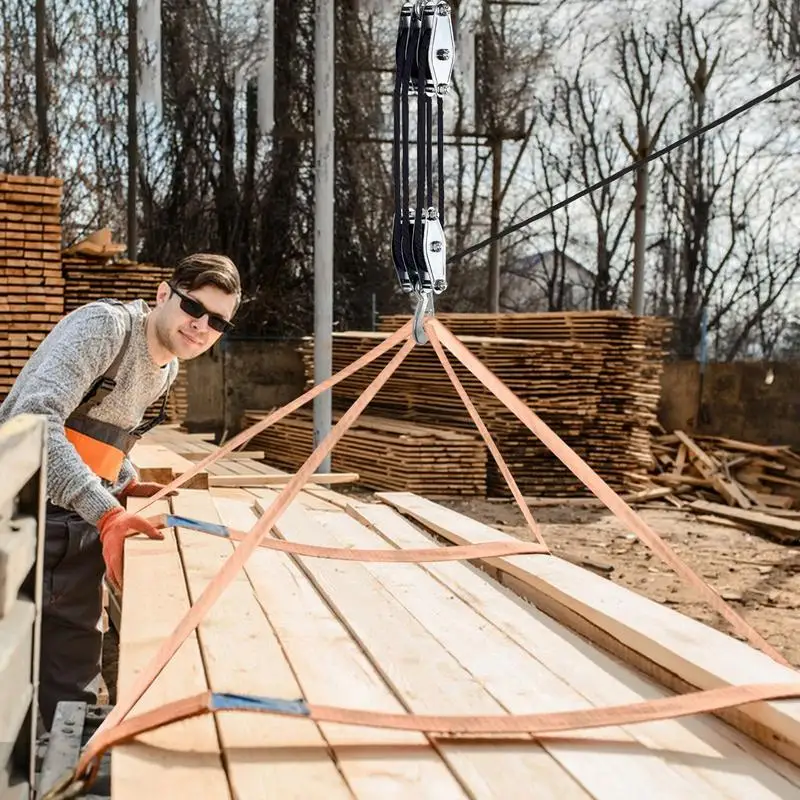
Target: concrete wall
754 401
738 401
238 375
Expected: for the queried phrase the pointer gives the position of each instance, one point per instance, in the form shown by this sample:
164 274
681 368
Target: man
93 377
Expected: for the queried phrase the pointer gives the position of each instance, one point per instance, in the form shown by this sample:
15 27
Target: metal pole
133 133
323 214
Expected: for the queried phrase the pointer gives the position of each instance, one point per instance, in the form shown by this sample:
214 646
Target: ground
758 577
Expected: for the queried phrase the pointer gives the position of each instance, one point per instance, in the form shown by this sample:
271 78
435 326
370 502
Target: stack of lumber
91 274
434 638
592 394
632 351
756 485
386 454
91 278
31 284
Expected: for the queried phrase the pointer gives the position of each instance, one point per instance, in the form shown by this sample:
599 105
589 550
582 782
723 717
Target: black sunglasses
196 310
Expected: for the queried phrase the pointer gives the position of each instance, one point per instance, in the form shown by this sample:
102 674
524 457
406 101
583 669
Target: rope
630 168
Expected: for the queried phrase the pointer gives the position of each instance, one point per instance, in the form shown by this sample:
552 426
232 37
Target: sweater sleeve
85 343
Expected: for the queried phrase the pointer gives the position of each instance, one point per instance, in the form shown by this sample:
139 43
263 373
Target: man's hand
114 527
145 489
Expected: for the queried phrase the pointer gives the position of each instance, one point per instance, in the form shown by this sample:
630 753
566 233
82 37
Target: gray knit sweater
75 353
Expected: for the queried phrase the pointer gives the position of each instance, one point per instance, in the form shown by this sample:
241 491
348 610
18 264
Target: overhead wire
703 129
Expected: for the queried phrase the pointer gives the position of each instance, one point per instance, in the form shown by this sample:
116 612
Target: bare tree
640 63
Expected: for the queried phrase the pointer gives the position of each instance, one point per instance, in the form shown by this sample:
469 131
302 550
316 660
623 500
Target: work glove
114 527
145 489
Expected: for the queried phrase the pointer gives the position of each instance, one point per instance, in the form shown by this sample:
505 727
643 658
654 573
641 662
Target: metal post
133 133
323 214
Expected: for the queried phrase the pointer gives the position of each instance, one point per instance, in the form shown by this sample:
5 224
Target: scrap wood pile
30 269
593 378
386 454
755 486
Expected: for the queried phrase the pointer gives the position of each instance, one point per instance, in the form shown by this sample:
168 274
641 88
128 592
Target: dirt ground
758 577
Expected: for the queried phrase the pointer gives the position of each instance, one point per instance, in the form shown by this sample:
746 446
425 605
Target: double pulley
425 57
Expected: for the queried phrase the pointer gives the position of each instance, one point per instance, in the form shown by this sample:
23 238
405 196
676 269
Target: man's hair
207 269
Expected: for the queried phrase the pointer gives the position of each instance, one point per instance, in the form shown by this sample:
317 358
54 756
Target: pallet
22 498
436 638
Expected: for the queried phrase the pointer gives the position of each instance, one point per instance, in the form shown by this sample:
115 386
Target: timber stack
593 378
387 454
30 269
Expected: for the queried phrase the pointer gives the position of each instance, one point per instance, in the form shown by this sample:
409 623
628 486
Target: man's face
181 333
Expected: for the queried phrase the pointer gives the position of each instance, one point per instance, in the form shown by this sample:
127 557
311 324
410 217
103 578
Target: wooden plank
183 759
604 681
783 525
698 655
608 763
241 481
199 455
160 464
18 540
424 675
265 755
331 669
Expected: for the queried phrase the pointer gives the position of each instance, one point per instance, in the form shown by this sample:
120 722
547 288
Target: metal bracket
435 251
441 54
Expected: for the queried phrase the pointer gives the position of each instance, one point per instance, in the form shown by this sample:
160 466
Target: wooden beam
182 759
408 656
738 769
331 668
160 464
652 634
783 527
241 481
236 455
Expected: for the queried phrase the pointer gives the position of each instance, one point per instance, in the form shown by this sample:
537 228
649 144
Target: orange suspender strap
102 458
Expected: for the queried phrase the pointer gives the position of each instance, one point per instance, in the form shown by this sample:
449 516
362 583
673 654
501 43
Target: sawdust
758 577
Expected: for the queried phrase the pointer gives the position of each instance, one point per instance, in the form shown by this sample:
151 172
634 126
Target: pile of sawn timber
757 486
31 283
592 377
387 454
428 639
